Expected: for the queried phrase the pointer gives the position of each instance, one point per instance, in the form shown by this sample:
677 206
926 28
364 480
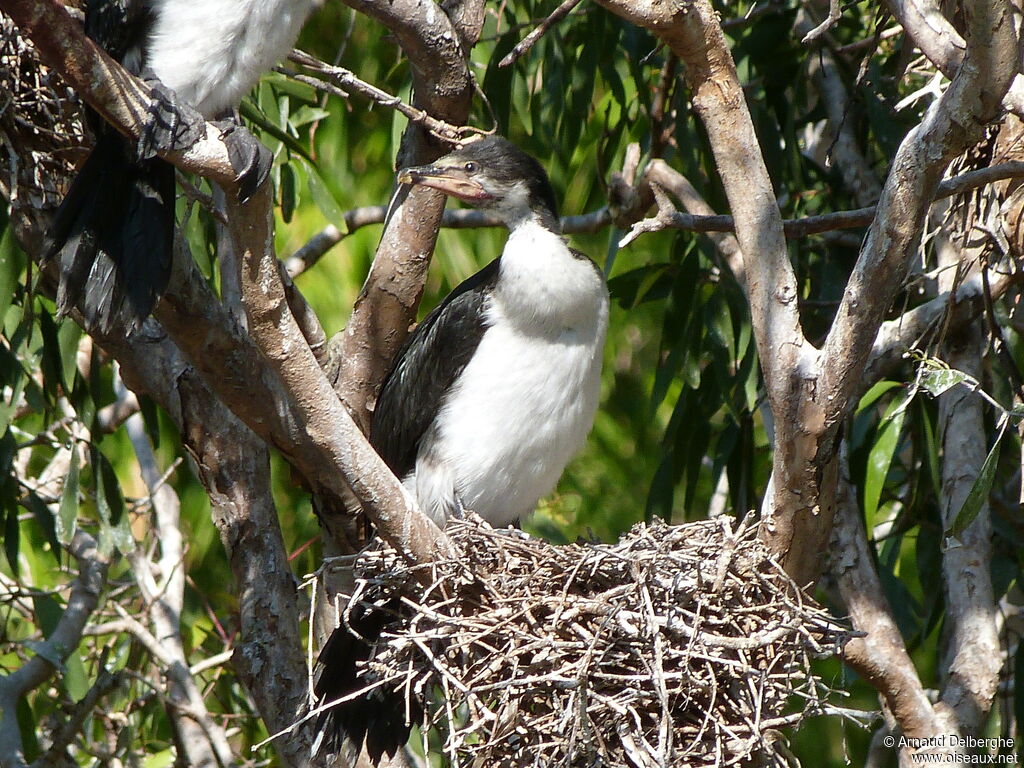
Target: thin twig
564 9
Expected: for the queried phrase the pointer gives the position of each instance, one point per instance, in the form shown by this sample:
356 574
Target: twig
564 9
342 80
453 218
552 643
813 225
834 14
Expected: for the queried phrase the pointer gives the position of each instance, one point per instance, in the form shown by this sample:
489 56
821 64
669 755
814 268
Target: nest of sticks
679 645
41 126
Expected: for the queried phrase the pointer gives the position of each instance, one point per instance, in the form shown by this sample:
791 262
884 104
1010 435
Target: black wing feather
114 231
431 360
378 718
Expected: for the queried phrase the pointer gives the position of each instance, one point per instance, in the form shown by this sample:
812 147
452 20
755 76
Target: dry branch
454 218
338 81
564 9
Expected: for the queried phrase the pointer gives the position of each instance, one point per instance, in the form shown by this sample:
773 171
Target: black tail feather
114 236
377 718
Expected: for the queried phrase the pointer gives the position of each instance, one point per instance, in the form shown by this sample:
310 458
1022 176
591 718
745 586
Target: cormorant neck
541 216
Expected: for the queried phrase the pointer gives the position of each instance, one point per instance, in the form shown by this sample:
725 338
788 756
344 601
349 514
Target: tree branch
851 163
453 218
332 436
201 739
951 125
942 45
880 657
895 337
233 465
972 657
85 592
386 307
564 9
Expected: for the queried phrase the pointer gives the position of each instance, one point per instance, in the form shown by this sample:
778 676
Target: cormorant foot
459 513
249 158
169 124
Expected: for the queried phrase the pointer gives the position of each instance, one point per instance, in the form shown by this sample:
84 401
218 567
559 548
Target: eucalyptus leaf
881 455
939 380
67 514
978 494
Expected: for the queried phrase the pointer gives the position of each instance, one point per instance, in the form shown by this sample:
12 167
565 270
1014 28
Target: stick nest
41 130
679 645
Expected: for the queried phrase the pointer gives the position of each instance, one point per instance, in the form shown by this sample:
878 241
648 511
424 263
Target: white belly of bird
522 411
525 402
212 52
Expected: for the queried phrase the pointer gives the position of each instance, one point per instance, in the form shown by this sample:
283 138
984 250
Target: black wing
114 230
427 365
377 718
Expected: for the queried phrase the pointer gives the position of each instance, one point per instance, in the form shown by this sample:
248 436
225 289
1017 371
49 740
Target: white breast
526 401
211 52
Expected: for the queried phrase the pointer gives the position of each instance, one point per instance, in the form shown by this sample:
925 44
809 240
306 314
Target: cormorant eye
470 167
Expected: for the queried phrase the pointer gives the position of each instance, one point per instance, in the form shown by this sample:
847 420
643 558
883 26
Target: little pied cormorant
114 231
489 398
497 388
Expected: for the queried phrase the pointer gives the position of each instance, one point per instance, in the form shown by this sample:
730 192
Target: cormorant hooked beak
452 180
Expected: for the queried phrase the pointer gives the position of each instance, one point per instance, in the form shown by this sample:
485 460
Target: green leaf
872 395
9 503
68 335
978 494
151 419
12 377
323 197
498 81
12 264
659 498
28 725
53 370
931 448
288 197
12 543
46 651
82 400
75 679
251 113
939 380
48 612
110 504
44 518
307 114
881 455
67 515
648 283
163 759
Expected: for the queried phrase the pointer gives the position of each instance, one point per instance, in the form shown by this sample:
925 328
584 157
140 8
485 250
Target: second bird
114 231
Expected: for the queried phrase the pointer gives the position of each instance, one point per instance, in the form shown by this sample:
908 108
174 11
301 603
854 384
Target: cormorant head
494 174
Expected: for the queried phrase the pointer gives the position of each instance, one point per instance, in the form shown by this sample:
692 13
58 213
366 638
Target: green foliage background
681 402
